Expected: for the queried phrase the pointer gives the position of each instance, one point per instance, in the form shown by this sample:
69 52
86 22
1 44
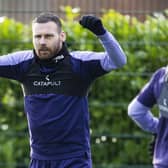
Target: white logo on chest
47 77
47 82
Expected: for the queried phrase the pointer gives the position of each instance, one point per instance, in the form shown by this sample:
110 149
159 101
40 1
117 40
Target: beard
46 53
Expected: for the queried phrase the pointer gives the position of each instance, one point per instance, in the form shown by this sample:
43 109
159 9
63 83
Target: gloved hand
151 145
92 23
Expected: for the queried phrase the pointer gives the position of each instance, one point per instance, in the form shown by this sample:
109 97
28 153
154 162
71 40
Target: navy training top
55 95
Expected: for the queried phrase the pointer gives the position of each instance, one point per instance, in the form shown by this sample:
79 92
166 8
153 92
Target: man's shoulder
87 55
159 73
20 56
23 53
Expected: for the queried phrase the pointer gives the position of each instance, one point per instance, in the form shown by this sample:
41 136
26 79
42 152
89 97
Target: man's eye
49 36
37 37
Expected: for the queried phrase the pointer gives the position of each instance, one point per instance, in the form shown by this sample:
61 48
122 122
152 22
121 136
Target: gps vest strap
61 81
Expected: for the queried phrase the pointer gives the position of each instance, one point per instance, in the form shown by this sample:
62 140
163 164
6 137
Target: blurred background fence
107 146
25 10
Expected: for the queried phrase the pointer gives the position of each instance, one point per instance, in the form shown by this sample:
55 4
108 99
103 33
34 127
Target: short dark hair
47 17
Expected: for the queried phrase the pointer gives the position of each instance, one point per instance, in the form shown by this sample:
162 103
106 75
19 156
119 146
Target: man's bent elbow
130 111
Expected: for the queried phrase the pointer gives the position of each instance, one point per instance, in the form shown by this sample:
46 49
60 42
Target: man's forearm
142 116
113 49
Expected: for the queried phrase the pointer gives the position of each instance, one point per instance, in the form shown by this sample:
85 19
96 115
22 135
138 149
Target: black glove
92 23
151 145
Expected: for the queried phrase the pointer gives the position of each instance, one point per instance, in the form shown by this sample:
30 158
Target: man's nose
42 41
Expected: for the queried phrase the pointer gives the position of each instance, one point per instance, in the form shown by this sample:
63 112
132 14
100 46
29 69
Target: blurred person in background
154 92
55 84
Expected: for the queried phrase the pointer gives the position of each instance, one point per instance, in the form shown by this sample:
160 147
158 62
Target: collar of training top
55 59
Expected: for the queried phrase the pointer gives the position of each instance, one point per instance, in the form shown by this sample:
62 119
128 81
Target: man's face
47 39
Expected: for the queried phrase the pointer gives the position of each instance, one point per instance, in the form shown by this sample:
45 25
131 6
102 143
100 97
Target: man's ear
63 36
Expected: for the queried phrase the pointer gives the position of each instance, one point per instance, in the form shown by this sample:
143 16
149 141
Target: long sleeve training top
140 111
55 95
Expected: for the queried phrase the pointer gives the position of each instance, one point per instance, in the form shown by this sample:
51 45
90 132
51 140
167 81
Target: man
154 92
55 84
